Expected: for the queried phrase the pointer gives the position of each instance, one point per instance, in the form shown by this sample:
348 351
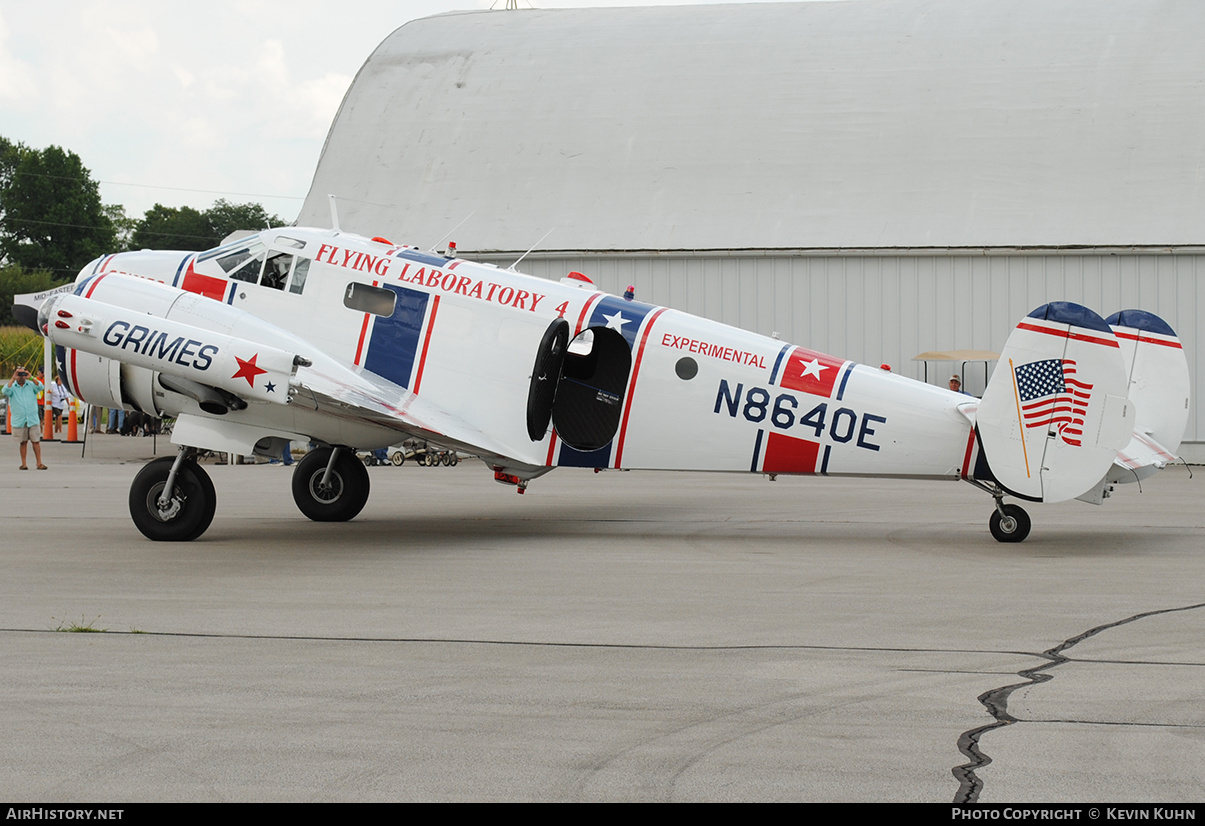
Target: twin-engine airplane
355 343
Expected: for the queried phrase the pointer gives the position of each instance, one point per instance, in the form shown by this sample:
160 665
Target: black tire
398 458
194 501
1013 526
453 459
343 498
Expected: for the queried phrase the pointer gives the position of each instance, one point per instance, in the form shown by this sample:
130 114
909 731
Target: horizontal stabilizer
1055 412
1141 458
1141 454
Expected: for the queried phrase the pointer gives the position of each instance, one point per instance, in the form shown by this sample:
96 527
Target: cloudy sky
182 103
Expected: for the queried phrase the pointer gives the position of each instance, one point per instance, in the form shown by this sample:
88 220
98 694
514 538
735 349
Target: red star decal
248 370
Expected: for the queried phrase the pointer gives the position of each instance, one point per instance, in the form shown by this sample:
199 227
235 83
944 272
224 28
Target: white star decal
616 322
813 368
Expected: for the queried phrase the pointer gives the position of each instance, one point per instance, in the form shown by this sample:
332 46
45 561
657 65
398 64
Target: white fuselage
463 337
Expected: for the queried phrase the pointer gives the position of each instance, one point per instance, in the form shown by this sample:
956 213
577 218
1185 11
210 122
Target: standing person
22 393
41 382
58 402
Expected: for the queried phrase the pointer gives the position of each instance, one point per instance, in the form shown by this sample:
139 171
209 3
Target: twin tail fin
1077 402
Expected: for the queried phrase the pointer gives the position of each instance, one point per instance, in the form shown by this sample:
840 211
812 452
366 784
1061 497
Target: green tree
225 218
52 218
172 228
10 156
184 228
123 225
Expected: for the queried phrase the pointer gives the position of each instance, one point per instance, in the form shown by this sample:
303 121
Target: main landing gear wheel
184 516
1010 526
342 496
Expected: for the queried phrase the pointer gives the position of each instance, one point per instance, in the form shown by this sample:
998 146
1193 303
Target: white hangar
870 178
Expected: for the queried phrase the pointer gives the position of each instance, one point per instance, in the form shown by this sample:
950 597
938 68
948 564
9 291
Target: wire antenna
511 268
435 246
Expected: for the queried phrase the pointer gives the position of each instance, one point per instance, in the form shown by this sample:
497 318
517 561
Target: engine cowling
174 342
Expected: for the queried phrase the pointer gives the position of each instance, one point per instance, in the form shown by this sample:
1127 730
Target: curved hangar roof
868 123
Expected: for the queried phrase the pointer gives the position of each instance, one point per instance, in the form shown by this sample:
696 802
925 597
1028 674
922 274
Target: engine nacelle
118 357
95 379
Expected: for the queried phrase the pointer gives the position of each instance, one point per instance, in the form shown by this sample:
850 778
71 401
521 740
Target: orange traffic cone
48 424
72 426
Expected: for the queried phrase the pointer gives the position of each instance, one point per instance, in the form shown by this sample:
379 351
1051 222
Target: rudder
1157 369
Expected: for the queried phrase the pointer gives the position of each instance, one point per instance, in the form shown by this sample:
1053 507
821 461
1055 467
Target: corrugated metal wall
887 307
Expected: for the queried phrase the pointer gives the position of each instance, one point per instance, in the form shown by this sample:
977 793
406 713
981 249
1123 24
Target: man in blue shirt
956 385
22 392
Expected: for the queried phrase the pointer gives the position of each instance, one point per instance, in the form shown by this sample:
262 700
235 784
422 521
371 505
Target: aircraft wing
363 398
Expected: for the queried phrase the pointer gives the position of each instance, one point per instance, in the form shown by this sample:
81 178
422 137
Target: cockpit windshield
252 261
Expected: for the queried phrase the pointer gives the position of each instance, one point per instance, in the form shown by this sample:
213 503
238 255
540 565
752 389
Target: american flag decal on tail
1052 396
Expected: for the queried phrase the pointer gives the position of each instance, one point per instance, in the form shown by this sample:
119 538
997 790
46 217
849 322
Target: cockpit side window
299 273
276 270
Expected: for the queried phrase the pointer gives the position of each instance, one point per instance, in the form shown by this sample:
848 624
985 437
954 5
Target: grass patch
19 347
80 627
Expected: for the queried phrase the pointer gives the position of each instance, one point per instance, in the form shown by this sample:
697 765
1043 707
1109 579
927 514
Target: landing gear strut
330 485
1009 523
172 499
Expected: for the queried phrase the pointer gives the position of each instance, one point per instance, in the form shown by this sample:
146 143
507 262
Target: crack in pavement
996 702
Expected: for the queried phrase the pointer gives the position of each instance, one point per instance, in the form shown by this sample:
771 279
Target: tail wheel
186 514
1010 526
341 496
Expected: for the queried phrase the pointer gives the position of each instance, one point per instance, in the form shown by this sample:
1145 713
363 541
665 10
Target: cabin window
367 299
